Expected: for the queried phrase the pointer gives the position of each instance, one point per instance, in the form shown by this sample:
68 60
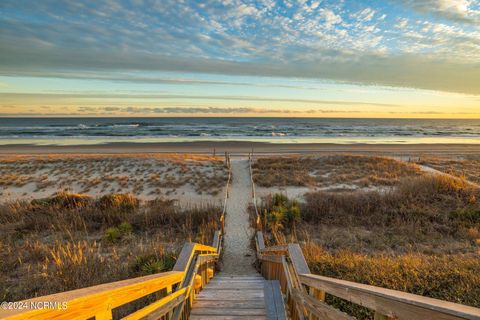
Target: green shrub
125 228
282 212
116 233
112 235
153 263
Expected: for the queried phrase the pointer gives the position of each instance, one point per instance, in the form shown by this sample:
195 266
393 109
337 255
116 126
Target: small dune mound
64 200
121 201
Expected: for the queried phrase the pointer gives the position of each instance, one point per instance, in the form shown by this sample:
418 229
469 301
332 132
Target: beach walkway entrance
219 281
238 256
239 291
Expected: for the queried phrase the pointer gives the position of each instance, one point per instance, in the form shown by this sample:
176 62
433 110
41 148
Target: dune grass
70 241
468 169
103 174
423 237
322 171
454 278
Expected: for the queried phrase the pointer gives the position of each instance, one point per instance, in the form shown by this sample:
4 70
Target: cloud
366 15
402 23
99 111
406 70
255 38
122 77
456 10
211 111
13 96
330 18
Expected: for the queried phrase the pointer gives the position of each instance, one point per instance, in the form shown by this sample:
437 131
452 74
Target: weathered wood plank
269 301
230 294
260 240
273 259
320 309
242 278
212 317
205 248
237 285
392 303
216 239
184 257
297 258
235 304
274 249
86 303
228 311
159 308
233 280
278 299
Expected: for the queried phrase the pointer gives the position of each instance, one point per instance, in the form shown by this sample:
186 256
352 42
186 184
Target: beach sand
190 180
185 171
240 147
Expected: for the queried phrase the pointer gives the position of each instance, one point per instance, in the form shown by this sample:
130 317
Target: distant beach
101 131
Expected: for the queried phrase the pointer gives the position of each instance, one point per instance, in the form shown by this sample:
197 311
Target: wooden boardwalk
239 297
193 290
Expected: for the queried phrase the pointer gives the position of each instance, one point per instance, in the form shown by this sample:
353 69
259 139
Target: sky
303 58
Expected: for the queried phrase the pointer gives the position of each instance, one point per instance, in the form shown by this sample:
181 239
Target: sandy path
238 257
431 170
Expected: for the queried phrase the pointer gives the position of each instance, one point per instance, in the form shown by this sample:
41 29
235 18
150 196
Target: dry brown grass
468 169
428 214
326 171
454 278
70 241
423 236
99 174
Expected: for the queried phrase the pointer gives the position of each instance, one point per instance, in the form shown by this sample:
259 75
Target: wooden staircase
239 297
193 290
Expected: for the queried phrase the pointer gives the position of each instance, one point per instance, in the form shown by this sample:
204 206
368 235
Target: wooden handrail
305 292
275 249
98 301
93 301
254 194
391 303
195 261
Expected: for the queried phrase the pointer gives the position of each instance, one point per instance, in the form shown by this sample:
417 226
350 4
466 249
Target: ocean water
65 131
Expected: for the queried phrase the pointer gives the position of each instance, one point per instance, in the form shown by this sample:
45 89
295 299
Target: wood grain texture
88 302
392 303
159 308
317 308
231 297
297 258
260 240
274 301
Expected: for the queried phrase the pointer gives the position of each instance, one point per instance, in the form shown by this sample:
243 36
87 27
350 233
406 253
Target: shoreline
241 147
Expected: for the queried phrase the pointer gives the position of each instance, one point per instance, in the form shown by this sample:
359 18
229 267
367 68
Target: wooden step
234 304
237 285
232 294
239 297
230 311
226 317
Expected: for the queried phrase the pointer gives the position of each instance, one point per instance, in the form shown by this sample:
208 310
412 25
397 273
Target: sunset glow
389 59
